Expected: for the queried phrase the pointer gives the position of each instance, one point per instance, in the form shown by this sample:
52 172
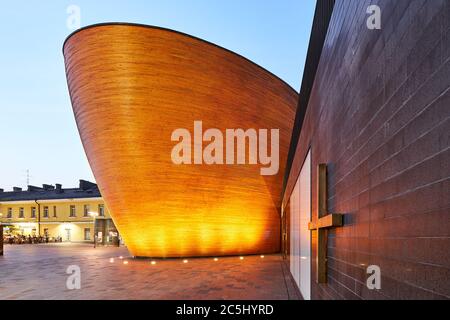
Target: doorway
68 235
300 236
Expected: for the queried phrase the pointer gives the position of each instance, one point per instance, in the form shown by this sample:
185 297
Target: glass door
68 235
300 236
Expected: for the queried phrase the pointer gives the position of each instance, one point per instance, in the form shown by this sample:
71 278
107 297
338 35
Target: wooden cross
325 221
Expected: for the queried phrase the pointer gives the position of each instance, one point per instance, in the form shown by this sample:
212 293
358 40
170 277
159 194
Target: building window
101 210
45 212
54 211
86 210
21 214
87 234
33 212
9 216
72 211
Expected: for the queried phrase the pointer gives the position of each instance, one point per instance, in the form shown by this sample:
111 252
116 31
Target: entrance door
300 206
87 233
68 235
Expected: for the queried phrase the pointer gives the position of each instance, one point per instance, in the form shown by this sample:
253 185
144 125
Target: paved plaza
39 272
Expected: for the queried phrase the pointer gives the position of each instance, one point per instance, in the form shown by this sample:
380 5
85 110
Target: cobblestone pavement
39 272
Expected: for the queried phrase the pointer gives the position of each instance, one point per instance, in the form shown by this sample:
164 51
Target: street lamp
1 235
93 215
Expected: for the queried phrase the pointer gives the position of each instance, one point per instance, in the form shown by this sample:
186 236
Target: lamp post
1 234
94 215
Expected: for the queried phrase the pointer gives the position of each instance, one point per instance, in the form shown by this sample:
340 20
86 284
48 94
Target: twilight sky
37 127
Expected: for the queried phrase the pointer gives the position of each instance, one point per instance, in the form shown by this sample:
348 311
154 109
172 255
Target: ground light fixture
185 261
241 258
125 262
111 260
153 262
216 259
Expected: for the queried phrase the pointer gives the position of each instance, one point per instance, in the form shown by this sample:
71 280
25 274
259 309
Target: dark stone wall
378 115
1 240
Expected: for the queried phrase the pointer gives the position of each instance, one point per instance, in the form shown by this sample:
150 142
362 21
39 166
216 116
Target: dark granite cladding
378 115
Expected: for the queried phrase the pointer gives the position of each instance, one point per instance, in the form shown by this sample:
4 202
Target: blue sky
37 127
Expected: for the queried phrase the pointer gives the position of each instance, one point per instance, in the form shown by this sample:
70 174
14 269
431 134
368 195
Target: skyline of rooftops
85 189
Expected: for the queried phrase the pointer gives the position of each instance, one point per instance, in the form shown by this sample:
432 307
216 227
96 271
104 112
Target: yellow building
69 215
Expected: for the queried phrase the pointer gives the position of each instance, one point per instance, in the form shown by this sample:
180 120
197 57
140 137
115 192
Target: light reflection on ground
39 272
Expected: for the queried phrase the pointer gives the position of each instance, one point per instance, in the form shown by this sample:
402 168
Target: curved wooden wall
130 87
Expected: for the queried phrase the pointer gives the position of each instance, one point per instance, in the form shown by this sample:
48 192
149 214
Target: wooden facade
131 86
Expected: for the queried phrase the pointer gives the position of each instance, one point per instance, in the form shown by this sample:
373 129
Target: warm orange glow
242 258
125 262
185 261
215 259
226 231
153 262
131 87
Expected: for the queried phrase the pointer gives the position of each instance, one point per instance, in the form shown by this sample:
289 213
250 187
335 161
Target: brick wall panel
378 115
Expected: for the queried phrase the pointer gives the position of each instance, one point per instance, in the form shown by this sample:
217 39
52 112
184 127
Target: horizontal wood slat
130 87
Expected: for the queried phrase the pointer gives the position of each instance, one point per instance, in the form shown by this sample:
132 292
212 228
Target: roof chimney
85 185
34 188
17 189
48 187
59 188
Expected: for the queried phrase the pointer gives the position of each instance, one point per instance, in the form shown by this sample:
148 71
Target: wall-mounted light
66 225
26 224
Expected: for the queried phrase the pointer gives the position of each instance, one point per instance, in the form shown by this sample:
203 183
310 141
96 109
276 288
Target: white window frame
300 235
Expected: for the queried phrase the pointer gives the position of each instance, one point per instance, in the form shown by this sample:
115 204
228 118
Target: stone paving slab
39 272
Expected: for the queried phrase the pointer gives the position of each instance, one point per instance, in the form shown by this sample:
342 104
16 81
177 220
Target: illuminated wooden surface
130 87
